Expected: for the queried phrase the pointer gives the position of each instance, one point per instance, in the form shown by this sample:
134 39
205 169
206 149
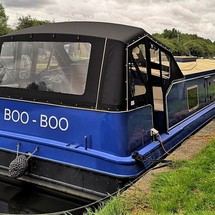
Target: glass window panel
138 76
192 98
165 65
160 65
155 61
60 67
7 54
139 55
213 88
43 58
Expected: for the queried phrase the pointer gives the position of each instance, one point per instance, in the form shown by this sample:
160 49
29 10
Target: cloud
27 3
187 16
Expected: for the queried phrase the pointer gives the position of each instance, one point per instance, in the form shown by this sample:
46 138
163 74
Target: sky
187 16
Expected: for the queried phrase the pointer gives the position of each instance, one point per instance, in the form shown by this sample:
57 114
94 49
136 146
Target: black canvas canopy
107 78
105 87
122 33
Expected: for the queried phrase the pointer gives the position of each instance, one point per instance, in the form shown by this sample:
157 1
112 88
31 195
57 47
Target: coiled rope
19 166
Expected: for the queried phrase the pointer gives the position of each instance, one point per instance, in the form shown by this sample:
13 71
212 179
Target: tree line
186 44
179 43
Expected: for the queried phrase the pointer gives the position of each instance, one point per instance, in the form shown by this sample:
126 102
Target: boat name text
45 121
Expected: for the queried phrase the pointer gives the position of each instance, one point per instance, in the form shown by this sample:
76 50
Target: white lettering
53 122
43 121
16 116
7 114
24 117
63 124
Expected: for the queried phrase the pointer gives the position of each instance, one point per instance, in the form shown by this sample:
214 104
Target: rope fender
19 166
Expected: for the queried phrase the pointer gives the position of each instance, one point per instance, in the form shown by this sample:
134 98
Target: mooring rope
19 166
140 158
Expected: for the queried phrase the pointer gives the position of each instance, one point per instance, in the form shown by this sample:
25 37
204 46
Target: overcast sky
187 16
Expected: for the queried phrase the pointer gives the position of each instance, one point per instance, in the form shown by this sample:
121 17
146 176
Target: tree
28 21
195 48
186 44
4 29
171 34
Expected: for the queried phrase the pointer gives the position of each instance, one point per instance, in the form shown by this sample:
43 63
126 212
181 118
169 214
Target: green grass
116 206
189 188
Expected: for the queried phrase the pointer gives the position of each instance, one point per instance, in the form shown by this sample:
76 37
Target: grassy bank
189 188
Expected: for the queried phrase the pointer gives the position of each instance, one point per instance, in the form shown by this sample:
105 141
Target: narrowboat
86 107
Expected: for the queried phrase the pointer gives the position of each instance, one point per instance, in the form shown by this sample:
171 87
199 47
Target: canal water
27 199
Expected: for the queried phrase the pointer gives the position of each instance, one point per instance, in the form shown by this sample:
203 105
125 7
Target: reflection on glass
192 98
60 67
160 64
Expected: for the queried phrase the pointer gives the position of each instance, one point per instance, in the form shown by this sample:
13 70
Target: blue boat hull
89 173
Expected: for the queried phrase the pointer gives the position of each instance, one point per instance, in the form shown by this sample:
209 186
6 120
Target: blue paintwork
97 141
177 97
108 151
91 139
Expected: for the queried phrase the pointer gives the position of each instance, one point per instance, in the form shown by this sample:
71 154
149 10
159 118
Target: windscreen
60 67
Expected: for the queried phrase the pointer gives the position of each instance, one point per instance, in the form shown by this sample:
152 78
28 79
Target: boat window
139 55
160 65
42 59
158 98
7 54
165 65
192 98
212 89
138 76
60 67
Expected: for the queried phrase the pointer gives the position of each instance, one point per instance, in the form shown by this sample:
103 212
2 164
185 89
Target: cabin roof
200 65
112 31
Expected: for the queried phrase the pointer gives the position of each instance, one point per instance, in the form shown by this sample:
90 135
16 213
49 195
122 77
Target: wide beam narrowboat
86 107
